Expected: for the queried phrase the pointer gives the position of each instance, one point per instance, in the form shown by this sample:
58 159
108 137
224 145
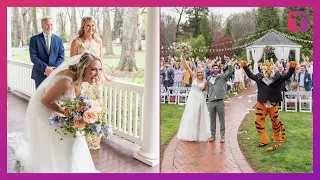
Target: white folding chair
281 103
182 95
163 95
289 99
305 101
172 95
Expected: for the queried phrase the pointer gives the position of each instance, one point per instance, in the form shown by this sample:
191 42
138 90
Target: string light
205 49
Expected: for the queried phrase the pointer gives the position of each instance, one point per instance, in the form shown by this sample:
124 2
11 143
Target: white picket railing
122 100
19 77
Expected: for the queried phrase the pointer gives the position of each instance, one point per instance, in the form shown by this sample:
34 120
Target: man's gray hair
45 18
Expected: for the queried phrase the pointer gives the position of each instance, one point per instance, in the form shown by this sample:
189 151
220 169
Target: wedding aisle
115 155
180 157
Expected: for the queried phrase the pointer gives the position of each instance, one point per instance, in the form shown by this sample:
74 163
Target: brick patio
213 157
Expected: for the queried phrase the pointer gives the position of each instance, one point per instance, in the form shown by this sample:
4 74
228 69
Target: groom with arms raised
46 52
217 91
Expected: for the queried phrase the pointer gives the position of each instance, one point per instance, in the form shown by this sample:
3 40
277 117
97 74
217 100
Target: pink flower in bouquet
80 108
79 123
66 112
90 116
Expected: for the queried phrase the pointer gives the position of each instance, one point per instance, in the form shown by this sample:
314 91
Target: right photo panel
236 89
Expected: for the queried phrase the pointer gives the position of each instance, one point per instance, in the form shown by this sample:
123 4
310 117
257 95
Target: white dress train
195 121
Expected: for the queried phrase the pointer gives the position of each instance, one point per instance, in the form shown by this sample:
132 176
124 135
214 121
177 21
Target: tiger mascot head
268 70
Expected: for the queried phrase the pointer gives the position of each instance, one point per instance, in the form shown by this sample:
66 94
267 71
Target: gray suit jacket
218 90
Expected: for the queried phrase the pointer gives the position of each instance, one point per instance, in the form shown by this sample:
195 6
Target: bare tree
61 21
29 32
81 12
107 34
16 27
43 11
139 28
97 13
215 19
168 30
129 37
73 22
180 11
34 20
24 27
242 24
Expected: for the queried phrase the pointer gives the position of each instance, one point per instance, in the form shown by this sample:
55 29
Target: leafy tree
268 18
192 27
199 47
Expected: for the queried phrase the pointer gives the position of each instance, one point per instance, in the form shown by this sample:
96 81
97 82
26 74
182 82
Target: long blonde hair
79 68
83 22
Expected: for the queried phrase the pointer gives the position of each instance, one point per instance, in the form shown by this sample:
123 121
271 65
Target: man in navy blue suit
46 52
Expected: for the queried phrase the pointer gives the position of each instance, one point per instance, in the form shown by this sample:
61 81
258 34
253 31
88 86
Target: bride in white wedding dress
195 121
41 151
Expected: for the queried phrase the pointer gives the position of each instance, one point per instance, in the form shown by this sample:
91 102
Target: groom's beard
215 73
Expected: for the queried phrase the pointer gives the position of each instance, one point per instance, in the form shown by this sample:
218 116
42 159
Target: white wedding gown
195 121
39 149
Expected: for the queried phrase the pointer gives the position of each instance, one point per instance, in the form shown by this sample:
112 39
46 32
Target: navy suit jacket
307 85
40 57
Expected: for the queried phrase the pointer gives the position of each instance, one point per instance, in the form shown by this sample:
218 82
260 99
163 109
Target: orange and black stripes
283 136
277 125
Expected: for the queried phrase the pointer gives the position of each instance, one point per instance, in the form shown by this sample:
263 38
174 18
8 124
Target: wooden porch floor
115 155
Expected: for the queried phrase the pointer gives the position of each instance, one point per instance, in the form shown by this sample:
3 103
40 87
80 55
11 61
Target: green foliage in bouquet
82 115
184 47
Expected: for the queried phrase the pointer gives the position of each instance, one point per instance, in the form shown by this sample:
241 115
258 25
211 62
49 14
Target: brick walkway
207 157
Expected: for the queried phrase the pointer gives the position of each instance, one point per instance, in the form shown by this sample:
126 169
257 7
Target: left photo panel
80 98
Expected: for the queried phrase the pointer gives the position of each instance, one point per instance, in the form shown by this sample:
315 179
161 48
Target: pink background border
157 3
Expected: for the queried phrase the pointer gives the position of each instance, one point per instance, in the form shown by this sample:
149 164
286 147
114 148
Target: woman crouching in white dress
195 121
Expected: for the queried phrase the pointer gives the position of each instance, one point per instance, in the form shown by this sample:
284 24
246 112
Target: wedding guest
46 52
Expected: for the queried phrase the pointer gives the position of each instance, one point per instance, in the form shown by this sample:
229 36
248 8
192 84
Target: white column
149 152
9 48
51 12
297 55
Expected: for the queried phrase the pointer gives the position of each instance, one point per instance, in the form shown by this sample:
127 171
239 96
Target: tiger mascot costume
269 96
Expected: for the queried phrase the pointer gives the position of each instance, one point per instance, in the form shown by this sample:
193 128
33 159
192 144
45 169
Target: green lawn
22 54
110 63
170 120
294 156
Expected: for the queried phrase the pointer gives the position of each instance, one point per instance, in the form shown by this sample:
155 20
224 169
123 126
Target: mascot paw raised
243 63
293 64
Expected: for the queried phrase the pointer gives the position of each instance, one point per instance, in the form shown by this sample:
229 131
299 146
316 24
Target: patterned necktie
48 43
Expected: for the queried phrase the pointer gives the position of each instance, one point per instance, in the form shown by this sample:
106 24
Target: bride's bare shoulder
66 72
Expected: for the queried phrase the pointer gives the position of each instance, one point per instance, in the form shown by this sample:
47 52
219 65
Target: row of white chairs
292 101
175 95
297 100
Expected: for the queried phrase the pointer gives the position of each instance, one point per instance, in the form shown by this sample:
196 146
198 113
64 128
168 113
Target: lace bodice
93 48
67 96
198 87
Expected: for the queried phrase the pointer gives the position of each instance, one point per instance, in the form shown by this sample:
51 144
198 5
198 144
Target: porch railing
122 100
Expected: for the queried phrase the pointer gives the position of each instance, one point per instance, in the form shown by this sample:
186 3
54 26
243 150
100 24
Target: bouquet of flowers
81 115
177 48
268 50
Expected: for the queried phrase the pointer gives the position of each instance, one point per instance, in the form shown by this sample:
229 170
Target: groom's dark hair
213 65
